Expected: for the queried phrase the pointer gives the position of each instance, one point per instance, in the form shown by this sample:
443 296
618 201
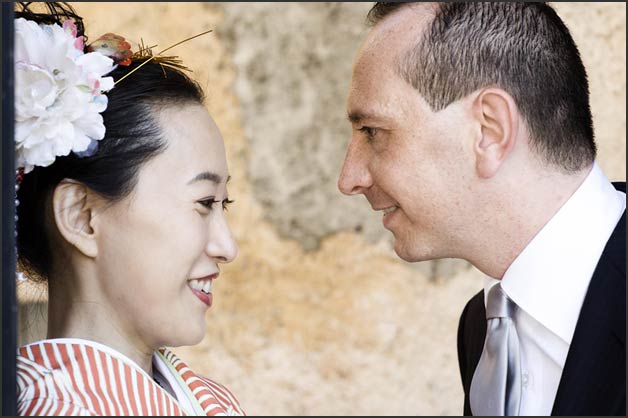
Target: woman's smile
202 288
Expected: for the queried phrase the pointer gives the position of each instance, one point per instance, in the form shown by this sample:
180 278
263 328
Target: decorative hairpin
113 46
146 53
118 49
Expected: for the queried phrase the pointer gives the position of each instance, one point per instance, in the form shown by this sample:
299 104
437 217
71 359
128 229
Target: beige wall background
317 316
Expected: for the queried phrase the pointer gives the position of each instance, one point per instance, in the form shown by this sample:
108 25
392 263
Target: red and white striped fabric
78 377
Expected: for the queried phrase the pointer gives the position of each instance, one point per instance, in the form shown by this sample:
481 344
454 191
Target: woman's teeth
204 286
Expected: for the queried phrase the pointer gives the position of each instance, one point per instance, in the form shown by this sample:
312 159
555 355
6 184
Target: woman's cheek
198 233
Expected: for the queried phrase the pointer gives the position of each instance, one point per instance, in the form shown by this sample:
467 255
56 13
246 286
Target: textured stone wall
317 315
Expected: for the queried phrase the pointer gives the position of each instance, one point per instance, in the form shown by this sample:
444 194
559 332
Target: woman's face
161 247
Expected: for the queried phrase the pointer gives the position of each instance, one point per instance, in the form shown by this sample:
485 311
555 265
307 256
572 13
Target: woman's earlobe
74 215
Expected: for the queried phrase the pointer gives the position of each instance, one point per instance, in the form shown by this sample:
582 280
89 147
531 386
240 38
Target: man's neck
525 207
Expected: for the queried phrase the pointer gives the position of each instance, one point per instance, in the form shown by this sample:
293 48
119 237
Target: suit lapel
471 335
594 377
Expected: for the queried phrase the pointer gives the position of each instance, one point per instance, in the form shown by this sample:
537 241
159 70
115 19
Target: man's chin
411 254
403 252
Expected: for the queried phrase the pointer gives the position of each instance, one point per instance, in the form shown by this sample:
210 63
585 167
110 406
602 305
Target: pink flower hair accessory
58 93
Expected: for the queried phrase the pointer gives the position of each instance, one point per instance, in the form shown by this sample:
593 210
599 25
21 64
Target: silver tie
496 384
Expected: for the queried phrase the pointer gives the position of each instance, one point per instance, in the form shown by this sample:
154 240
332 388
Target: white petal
38 90
94 62
92 126
106 83
80 142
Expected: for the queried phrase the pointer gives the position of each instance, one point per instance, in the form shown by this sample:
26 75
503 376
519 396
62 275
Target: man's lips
386 209
388 212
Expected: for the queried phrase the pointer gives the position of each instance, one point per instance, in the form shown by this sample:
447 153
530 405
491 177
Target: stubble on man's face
412 158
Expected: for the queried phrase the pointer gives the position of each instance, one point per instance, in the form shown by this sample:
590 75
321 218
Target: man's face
409 162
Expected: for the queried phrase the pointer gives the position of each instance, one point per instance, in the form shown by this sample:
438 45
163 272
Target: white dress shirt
549 281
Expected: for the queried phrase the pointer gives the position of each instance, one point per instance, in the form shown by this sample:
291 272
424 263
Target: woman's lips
202 288
206 298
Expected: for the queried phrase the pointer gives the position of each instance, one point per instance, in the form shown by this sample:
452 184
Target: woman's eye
226 203
208 203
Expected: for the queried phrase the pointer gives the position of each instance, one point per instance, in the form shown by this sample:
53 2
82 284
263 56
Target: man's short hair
523 48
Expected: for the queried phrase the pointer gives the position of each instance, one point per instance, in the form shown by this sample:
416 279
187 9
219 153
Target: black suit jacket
594 377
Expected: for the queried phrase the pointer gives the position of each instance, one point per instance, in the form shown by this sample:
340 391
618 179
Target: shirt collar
550 277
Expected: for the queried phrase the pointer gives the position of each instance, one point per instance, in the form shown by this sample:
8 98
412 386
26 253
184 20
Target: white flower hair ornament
58 94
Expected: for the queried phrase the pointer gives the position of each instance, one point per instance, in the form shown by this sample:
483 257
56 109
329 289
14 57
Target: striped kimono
79 377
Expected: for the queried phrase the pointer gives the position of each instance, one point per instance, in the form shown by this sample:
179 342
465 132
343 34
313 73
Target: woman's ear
498 116
73 210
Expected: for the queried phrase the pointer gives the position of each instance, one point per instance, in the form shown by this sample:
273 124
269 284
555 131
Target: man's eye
368 131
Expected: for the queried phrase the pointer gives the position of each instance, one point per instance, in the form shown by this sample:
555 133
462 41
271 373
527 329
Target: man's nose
354 176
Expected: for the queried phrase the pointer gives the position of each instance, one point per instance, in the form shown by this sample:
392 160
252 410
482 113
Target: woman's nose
222 246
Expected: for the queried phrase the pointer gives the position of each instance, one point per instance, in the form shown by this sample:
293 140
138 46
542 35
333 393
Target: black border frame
9 299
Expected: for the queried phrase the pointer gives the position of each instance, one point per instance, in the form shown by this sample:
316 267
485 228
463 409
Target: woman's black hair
133 136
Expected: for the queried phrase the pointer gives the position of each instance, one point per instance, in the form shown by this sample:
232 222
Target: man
472 134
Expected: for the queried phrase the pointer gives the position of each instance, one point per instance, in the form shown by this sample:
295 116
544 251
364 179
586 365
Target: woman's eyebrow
208 175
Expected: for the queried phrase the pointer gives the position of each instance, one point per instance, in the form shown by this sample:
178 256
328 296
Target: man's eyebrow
208 175
356 116
359 116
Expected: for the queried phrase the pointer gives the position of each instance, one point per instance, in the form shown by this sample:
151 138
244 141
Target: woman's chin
187 335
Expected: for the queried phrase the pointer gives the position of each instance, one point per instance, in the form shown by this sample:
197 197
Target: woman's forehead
194 146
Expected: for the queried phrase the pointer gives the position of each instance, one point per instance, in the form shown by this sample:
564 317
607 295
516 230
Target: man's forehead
388 42
400 27
375 76
376 95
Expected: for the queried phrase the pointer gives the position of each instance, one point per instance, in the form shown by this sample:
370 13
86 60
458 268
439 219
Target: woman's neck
70 316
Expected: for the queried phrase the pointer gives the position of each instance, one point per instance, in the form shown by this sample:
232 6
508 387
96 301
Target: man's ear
498 116
73 210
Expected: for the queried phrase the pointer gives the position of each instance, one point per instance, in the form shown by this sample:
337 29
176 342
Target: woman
121 199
